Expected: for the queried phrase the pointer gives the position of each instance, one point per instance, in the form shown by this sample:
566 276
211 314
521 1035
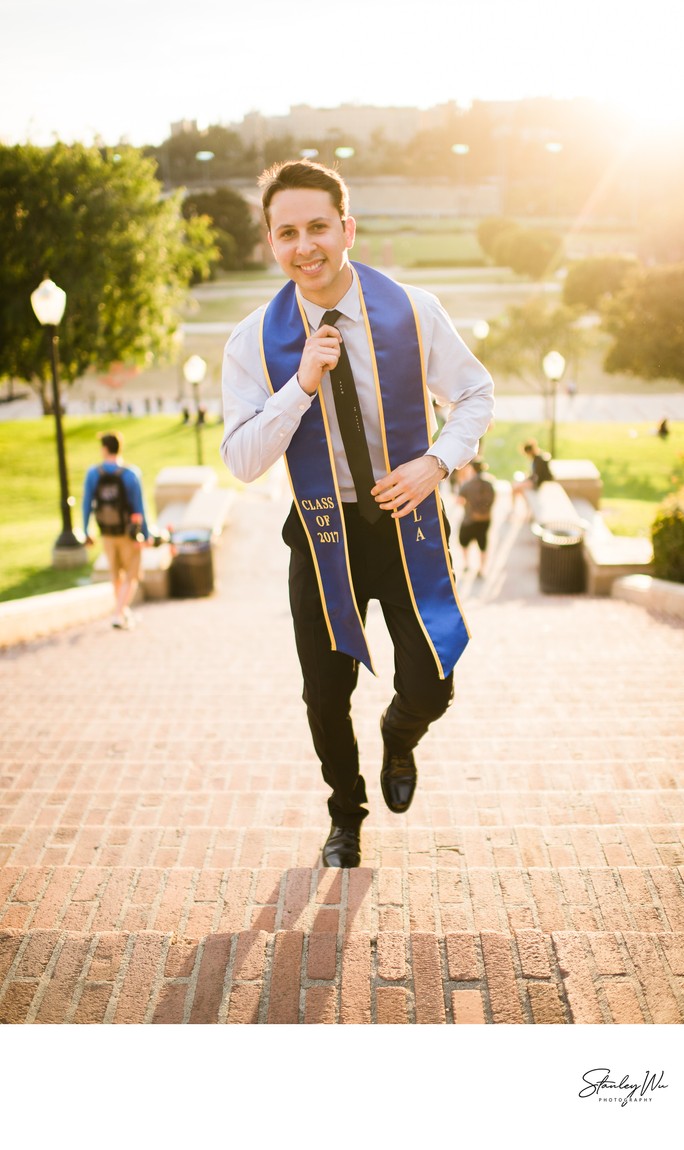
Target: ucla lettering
416 517
419 536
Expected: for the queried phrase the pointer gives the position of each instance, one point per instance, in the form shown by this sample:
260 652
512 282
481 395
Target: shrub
667 534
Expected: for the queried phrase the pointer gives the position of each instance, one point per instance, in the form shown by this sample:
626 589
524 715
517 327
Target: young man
335 373
477 496
113 493
540 469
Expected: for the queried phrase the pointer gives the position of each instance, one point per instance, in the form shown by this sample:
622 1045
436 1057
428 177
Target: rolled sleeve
258 425
459 383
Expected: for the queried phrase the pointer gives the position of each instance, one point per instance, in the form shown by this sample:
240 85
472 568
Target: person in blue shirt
120 514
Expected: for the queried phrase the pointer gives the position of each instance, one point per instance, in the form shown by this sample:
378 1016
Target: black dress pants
331 676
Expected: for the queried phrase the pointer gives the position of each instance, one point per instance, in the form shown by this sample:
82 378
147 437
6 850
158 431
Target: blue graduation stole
403 403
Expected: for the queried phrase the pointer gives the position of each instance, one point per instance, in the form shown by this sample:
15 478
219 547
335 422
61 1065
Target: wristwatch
442 464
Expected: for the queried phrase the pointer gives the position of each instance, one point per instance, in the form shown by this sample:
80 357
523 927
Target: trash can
192 566
561 558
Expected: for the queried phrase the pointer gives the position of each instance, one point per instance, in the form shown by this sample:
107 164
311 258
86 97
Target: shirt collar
349 306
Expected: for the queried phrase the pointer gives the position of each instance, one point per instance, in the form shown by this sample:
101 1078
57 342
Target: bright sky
83 68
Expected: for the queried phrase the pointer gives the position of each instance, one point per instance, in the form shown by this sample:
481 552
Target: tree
93 220
235 231
532 252
646 322
590 281
663 236
178 163
520 339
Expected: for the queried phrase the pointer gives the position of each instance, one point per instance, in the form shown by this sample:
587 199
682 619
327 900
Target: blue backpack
110 504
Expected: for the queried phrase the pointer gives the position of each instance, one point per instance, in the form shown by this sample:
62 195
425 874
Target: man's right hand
321 353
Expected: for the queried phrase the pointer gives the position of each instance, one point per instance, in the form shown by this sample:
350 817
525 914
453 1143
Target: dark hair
303 174
531 447
111 442
478 464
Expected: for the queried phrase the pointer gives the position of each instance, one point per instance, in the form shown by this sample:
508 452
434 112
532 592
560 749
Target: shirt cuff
292 400
440 453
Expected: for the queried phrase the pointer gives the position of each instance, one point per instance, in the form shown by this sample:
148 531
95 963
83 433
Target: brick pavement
162 813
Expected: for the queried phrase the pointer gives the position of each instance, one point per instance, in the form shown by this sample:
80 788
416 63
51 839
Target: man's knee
429 700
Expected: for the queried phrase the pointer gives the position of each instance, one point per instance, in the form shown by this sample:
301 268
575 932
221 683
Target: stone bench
209 510
550 503
179 485
658 595
610 557
607 557
579 478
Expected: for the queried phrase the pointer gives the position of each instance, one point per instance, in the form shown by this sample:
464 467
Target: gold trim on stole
383 432
445 541
312 548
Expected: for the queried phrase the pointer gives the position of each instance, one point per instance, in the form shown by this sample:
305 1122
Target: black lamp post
554 366
481 331
48 302
194 370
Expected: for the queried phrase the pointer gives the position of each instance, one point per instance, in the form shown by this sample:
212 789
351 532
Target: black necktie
351 429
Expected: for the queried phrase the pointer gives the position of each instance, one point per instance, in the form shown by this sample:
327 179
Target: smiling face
311 242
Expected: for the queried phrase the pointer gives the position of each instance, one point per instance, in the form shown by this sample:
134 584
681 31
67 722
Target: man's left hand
404 488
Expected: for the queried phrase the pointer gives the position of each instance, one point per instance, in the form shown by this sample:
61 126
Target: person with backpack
477 497
112 493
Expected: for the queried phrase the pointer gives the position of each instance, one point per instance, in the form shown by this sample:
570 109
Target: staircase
162 815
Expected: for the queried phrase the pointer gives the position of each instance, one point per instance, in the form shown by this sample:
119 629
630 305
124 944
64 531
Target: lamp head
48 302
554 366
194 369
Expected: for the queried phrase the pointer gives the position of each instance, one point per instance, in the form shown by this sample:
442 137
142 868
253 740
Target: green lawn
638 470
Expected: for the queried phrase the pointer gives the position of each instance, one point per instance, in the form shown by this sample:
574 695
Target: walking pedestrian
113 494
336 374
477 496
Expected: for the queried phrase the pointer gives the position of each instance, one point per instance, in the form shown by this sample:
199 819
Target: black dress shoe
398 779
342 847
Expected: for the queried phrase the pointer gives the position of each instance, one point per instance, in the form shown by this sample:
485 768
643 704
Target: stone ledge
654 594
22 620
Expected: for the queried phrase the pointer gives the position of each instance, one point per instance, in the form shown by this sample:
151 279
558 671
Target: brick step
512 834
492 737
289 977
448 895
56 816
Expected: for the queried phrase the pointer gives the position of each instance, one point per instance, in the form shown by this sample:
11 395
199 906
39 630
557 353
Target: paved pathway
162 816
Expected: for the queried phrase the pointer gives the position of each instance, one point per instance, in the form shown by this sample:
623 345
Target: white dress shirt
259 425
